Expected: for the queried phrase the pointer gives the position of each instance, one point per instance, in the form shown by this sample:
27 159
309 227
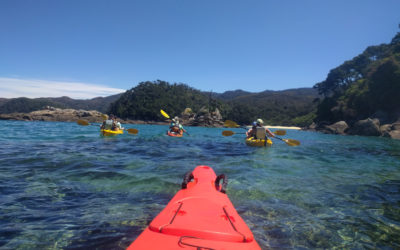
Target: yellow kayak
258 143
107 132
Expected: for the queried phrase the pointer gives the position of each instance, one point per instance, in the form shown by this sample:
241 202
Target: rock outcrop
337 128
366 127
204 118
55 114
394 131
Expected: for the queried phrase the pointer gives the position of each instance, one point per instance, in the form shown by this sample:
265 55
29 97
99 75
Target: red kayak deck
174 134
201 216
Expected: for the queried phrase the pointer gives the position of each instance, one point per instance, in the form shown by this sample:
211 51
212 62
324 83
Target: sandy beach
278 127
282 127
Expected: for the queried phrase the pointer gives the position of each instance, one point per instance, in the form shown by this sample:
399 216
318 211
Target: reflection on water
62 186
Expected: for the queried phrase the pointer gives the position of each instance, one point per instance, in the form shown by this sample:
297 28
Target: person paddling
175 127
111 124
258 131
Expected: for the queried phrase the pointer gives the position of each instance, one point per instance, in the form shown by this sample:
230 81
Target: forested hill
367 85
288 107
144 101
26 105
237 94
285 107
229 95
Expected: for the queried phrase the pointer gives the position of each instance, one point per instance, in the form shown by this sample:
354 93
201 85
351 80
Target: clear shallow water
62 186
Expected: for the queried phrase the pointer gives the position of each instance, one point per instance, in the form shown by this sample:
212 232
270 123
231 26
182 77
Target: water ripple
63 186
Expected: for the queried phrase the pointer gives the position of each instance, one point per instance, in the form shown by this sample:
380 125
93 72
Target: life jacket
175 129
260 133
118 126
109 124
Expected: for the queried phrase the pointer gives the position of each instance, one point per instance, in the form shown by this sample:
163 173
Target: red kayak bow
199 216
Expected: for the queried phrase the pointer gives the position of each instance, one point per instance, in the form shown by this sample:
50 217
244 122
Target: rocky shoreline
56 115
188 118
373 126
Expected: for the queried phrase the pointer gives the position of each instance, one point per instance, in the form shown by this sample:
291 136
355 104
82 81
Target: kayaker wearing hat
258 131
176 127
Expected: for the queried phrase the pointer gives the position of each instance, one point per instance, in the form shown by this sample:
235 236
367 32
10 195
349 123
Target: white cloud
14 87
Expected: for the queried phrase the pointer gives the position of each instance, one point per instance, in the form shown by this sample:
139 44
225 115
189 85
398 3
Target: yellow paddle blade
82 122
280 132
291 142
164 114
227 133
230 124
104 116
133 131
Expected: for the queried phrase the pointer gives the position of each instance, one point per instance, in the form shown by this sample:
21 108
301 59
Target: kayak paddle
231 124
132 130
289 142
164 114
86 123
82 122
229 133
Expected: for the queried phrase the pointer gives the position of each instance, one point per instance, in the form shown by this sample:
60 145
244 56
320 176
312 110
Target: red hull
199 216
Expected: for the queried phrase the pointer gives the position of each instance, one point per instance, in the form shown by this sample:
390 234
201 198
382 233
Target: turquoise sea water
62 186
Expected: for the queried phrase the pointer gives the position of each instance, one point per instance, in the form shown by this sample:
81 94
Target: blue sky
103 47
